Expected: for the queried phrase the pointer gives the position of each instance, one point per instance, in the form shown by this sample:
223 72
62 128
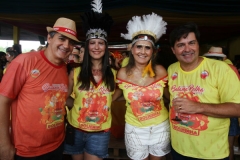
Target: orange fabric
39 90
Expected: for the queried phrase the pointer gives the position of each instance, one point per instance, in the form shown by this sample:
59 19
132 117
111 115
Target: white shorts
154 140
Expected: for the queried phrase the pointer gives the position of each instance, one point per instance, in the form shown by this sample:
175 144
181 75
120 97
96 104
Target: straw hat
215 51
66 27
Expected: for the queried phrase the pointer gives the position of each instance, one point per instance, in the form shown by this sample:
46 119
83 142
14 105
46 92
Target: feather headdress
95 23
148 27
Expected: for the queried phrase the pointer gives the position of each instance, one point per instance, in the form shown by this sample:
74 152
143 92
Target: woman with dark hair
93 85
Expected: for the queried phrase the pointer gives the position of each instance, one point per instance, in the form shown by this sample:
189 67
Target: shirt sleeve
228 85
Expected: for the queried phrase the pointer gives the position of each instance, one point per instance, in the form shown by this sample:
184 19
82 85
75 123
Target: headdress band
67 30
144 32
143 38
96 33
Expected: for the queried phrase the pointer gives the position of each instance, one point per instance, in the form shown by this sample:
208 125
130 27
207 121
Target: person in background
204 93
116 58
3 62
126 58
35 88
81 54
73 58
147 131
112 62
41 48
10 55
17 48
217 53
93 85
76 50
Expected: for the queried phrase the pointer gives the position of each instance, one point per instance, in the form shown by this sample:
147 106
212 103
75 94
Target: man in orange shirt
35 88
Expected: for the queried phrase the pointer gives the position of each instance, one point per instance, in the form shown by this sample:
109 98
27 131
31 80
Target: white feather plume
97 6
132 26
151 22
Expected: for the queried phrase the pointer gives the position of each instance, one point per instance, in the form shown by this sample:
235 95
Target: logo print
35 73
174 76
204 74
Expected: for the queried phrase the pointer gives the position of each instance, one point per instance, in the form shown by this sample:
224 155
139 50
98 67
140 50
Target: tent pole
16 34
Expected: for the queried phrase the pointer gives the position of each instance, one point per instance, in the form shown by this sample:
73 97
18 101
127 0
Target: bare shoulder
122 73
160 71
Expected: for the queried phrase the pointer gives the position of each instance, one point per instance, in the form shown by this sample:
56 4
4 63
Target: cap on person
66 27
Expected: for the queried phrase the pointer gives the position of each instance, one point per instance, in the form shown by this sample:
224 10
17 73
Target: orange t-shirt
39 91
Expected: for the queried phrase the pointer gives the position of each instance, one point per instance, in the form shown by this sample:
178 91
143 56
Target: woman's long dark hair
131 61
86 76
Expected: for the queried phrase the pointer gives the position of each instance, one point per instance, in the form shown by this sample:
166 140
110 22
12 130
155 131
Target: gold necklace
142 81
135 79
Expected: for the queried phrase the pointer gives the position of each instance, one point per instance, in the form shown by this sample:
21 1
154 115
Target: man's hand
184 105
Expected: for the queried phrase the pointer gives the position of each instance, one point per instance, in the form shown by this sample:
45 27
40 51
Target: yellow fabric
228 61
148 70
92 109
4 71
145 105
125 62
197 135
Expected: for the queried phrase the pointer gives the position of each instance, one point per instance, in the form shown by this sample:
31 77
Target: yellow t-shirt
228 61
197 135
145 105
92 108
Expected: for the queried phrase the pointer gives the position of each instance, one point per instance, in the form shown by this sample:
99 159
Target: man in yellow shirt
204 93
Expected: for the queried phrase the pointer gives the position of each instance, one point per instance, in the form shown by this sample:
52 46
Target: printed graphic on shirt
174 76
35 73
94 111
204 74
145 102
191 124
54 111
